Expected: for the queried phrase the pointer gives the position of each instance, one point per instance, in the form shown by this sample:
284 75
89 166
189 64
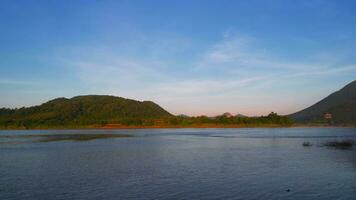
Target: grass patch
307 144
343 144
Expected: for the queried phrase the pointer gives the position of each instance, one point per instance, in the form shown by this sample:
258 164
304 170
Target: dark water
181 164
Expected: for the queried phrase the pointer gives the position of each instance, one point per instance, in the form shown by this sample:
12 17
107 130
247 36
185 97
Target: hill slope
82 110
341 104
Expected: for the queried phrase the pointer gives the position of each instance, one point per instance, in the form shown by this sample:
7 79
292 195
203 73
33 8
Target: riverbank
198 126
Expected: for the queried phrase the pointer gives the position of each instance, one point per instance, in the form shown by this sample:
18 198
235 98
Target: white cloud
16 82
235 74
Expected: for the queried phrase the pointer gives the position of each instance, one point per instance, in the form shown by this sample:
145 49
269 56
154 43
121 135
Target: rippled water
180 164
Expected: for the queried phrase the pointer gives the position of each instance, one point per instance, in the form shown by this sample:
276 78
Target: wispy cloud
231 72
16 82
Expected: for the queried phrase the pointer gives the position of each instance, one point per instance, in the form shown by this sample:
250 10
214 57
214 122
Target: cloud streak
233 71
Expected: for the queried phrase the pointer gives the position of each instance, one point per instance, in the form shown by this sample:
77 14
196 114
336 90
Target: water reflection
180 164
21 139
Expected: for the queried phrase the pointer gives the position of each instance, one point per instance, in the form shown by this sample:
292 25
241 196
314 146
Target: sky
191 57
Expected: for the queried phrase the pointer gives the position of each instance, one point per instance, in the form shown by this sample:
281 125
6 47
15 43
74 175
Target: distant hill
82 110
341 105
240 115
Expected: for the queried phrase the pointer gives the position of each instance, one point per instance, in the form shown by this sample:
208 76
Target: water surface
180 164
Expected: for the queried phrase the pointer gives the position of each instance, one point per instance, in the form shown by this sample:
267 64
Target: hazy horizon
190 57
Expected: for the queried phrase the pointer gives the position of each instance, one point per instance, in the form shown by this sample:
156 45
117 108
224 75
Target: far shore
193 126
212 126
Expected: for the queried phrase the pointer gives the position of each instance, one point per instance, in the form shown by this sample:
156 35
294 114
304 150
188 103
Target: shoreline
196 126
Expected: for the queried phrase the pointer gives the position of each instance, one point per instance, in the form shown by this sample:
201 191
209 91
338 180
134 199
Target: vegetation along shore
110 112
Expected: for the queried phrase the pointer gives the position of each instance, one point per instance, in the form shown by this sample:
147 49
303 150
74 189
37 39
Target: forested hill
81 110
341 106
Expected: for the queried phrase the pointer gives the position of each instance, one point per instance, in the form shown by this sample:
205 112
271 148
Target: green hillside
80 111
341 105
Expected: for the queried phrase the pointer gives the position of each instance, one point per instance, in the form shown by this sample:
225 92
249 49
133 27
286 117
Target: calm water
181 164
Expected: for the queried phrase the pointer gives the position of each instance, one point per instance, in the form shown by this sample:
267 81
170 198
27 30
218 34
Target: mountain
82 110
341 105
240 115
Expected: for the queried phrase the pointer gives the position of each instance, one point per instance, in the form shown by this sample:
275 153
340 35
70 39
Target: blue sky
192 57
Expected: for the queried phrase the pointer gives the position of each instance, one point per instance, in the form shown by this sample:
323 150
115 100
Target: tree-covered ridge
97 111
341 106
271 119
101 110
80 111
